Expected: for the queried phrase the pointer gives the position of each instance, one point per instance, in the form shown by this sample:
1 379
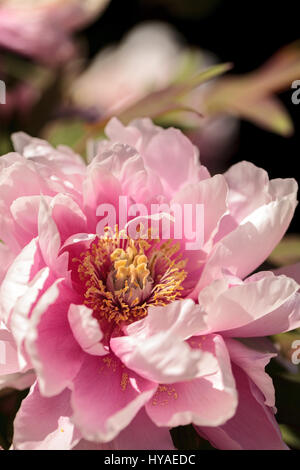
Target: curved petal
19 274
7 257
156 349
99 187
182 319
244 249
171 155
25 212
40 151
253 362
10 372
53 350
68 216
211 193
44 423
252 428
50 240
106 397
168 153
248 189
141 433
19 321
86 329
261 306
122 161
117 132
210 400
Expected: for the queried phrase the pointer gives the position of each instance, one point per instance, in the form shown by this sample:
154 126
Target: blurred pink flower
151 57
42 29
148 58
130 337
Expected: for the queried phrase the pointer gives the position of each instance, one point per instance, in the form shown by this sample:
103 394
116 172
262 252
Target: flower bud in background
151 57
42 30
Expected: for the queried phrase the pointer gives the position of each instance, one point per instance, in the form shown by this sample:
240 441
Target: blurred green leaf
5 143
287 251
164 101
269 114
291 436
251 96
169 99
71 132
64 132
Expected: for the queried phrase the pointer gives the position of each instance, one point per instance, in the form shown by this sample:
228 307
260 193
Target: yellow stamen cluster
123 277
130 266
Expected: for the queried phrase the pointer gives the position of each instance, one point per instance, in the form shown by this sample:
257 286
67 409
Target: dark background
246 33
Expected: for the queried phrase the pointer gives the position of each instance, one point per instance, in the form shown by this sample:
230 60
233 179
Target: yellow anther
119 253
121 283
140 259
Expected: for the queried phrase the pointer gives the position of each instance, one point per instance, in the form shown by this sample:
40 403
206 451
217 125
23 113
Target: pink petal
212 194
68 216
209 400
106 397
252 428
10 372
19 321
99 187
20 178
50 343
253 363
123 161
172 156
156 349
7 257
86 330
25 212
21 271
44 423
40 151
49 238
116 132
249 189
141 433
261 306
182 318
244 249
167 152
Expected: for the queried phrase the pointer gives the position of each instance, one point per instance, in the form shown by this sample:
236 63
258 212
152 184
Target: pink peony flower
42 29
130 336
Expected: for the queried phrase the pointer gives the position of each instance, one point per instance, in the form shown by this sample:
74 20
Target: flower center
122 277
